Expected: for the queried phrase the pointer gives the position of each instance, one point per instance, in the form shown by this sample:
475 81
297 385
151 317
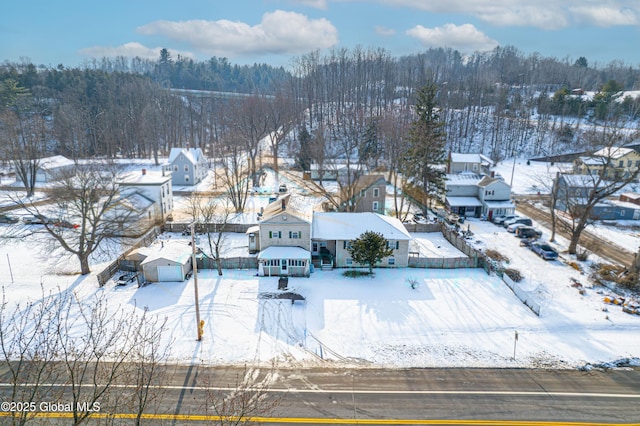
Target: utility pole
199 324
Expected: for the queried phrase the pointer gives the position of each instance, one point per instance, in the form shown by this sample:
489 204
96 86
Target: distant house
134 213
574 191
170 262
156 186
468 163
331 233
283 241
619 162
369 194
335 170
188 166
473 195
51 168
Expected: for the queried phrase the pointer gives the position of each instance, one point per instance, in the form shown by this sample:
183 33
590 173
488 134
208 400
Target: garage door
170 273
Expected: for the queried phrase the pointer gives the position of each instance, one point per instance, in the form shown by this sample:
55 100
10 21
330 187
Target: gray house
187 165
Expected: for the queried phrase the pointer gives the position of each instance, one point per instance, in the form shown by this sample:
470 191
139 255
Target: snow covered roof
349 226
178 251
594 161
56 161
463 202
463 179
192 154
253 229
613 152
135 201
145 177
284 252
499 204
470 158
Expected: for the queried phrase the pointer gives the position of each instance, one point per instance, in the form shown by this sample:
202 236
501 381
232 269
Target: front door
283 267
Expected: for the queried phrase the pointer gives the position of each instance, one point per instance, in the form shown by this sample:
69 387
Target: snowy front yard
452 318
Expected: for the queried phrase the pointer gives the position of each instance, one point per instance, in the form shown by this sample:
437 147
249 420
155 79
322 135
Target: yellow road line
309 420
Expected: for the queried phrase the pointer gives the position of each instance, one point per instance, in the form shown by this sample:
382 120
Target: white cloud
318 4
602 16
465 38
130 50
279 32
384 31
546 14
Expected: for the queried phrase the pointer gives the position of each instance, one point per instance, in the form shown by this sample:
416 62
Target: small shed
171 262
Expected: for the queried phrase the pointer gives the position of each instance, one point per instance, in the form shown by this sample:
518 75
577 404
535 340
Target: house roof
145 177
471 158
613 152
366 181
463 179
284 252
349 226
192 154
173 251
56 161
135 201
463 202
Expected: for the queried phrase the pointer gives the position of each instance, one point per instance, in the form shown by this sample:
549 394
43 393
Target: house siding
401 256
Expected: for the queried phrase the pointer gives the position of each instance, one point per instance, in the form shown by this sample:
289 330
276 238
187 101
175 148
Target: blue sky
275 31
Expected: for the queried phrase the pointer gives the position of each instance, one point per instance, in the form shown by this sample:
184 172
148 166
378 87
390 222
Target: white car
512 228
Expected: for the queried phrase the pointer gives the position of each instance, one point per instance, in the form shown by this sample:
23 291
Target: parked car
124 279
514 227
528 232
498 220
35 219
282 188
65 224
545 251
523 220
5 218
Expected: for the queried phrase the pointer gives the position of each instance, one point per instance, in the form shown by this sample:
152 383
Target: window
348 261
393 244
346 244
275 234
621 163
186 167
391 261
375 206
376 192
175 168
295 234
186 178
363 193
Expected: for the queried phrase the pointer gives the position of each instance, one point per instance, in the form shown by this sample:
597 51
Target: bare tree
86 209
216 214
236 177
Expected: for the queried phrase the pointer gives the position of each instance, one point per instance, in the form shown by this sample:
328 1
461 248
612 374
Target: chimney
493 173
284 205
144 172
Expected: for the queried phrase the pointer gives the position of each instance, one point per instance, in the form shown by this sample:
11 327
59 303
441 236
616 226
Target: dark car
528 232
545 251
5 218
36 219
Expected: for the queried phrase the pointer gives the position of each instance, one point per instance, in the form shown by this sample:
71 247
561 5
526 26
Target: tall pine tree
426 155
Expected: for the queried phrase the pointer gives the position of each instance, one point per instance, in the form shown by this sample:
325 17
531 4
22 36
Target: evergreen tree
426 155
304 156
369 248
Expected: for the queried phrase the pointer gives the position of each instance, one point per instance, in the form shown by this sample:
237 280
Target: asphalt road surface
397 396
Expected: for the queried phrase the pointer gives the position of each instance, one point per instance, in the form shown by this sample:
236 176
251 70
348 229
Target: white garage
172 262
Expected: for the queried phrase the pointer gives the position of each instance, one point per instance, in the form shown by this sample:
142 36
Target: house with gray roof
188 166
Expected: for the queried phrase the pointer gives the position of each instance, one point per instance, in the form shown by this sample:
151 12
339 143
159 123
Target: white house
331 234
473 195
50 168
188 166
156 186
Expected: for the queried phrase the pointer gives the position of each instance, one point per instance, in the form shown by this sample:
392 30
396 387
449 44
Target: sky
277 31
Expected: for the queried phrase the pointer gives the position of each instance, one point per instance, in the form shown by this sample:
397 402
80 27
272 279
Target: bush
497 256
582 255
514 274
355 273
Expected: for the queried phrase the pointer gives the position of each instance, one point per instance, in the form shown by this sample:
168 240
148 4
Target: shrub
355 273
497 256
514 274
582 255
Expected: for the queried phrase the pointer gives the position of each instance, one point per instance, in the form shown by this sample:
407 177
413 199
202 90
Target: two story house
369 193
468 163
156 187
283 241
474 195
188 166
610 163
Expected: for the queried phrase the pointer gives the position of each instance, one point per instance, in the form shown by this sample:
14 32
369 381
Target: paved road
606 249
406 396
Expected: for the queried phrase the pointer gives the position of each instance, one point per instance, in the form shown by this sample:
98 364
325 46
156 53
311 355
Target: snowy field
453 318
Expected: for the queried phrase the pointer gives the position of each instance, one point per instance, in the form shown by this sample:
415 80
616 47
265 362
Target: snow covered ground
462 318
